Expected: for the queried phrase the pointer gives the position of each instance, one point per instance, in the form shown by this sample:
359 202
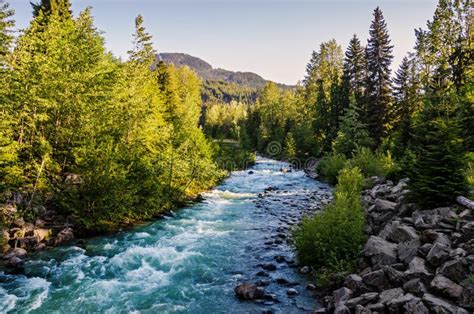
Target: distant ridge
208 73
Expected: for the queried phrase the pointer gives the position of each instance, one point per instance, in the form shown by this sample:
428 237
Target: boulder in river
249 292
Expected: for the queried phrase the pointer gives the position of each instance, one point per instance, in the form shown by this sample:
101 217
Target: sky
273 38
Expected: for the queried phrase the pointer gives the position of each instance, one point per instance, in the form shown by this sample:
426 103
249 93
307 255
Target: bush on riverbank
331 240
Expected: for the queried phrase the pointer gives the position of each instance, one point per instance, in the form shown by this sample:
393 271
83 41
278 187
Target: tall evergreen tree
46 7
354 77
143 50
6 25
379 90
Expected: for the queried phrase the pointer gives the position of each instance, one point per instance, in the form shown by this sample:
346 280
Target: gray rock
437 255
354 282
398 189
15 264
364 299
376 307
406 251
415 287
417 268
341 295
402 233
380 251
396 305
342 309
398 278
424 249
446 287
16 252
388 295
415 306
304 270
359 309
383 205
467 297
429 236
377 279
292 292
249 292
454 270
64 236
438 305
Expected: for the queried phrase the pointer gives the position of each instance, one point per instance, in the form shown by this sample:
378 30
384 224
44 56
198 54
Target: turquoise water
189 263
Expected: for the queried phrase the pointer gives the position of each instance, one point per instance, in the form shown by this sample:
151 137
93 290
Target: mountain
208 73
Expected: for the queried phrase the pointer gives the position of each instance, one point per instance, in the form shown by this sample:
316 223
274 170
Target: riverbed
186 263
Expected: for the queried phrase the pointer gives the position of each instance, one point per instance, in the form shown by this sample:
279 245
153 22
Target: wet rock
262 274
280 259
415 287
64 236
454 270
263 283
446 287
250 172
437 255
249 292
15 265
16 252
292 292
269 267
380 251
42 234
438 305
341 295
311 287
305 270
282 281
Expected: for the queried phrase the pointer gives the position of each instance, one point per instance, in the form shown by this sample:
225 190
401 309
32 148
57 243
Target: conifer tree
354 77
379 91
6 25
143 50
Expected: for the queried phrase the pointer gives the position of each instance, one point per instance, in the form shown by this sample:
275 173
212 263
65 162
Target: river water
189 263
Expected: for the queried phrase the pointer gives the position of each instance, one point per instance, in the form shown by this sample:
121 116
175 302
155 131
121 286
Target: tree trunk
465 202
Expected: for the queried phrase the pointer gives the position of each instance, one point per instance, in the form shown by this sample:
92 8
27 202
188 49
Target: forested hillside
84 136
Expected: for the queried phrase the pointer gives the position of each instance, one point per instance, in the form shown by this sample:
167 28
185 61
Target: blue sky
273 38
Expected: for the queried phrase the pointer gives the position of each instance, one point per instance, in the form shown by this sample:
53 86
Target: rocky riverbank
18 238
415 260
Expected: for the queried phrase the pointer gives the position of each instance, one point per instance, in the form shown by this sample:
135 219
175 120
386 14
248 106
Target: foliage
372 164
470 169
331 240
224 120
330 166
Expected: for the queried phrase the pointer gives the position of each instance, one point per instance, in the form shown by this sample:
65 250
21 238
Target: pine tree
354 77
352 133
6 25
46 7
379 90
143 51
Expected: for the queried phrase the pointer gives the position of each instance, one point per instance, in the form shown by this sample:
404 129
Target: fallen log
465 202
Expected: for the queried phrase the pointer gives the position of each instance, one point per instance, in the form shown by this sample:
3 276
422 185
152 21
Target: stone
454 270
437 255
387 295
342 309
396 277
418 268
446 287
359 309
429 236
15 265
364 299
383 205
376 307
380 251
438 305
16 252
406 251
398 189
402 233
424 249
415 306
292 292
304 270
269 267
341 295
18 223
353 282
415 287
42 234
64 236
377 279
249 292
396 305
467 297
311 287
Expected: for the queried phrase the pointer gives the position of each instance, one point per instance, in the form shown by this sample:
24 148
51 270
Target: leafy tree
379 91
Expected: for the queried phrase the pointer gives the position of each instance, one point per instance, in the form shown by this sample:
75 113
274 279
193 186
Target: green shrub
372 164
330 166
470 169
335 236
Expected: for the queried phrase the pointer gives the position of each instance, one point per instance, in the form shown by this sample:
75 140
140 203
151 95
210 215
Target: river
189 263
